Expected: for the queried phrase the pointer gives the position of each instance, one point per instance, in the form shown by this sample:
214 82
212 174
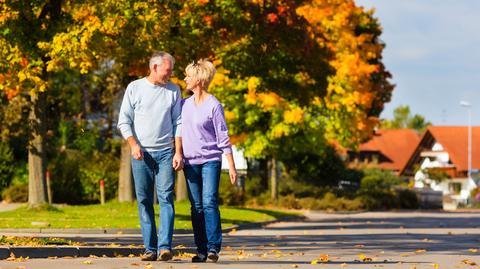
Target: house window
455 187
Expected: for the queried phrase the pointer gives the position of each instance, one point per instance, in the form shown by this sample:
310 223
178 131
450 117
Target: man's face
163 72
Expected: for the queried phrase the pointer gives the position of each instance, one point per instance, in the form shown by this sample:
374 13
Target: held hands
177 162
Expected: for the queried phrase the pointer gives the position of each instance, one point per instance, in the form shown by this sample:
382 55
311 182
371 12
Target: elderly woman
204 139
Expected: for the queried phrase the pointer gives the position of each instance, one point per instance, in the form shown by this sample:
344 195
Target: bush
65 181
16 193
76 174
228 193
407 199
7 168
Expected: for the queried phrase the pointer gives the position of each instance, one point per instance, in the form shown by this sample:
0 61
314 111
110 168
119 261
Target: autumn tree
294 76
24 74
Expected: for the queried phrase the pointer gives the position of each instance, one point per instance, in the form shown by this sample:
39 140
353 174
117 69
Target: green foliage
437 174
7 168
378 191
320 169
228 193
16 193
83 160
402 118
407 199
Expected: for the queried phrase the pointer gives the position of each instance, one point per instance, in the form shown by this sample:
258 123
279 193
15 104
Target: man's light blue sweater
151 113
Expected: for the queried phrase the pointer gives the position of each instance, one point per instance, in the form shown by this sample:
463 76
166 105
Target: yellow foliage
294 115
269 100
253 83
280 130
251 97
230 115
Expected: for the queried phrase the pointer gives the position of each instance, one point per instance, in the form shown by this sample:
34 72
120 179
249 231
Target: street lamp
469 107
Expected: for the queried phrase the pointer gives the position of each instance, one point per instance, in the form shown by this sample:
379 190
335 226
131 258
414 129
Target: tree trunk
181 191
37 191
273 179
125 180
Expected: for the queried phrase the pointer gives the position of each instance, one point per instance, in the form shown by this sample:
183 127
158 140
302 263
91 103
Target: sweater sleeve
221 130
126 115
177 114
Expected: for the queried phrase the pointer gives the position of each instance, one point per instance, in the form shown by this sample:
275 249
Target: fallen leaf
469 262
131 255
435 265
474 250
364 258
413 267
135 264
420 250
314 262
294 265
87 262
180 247
148 266
233 231
324 258
343 265
93 256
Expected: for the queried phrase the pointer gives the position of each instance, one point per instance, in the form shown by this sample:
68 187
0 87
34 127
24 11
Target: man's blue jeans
155 169
202 184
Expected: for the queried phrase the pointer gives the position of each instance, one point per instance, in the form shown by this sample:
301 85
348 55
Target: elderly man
149 119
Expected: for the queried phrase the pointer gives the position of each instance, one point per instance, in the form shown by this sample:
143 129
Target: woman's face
191 82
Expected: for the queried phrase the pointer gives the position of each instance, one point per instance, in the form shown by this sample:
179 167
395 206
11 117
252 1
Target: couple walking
167 133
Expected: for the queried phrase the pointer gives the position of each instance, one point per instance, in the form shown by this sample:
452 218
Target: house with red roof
388 149
440 161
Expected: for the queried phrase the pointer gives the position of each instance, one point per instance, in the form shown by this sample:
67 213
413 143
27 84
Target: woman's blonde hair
202 70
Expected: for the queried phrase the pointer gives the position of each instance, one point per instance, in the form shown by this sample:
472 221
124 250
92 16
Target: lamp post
469 107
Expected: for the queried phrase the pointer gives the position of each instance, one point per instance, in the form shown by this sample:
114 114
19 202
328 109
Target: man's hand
137 152
177 162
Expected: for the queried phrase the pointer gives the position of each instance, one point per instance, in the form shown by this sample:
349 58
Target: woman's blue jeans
202 183
155 169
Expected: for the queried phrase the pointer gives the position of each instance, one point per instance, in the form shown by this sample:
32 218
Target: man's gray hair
159 56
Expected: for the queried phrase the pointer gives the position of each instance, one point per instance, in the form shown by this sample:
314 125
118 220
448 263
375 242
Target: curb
60 231
105 251
46 252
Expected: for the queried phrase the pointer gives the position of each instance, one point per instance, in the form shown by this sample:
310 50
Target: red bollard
102 191
49 188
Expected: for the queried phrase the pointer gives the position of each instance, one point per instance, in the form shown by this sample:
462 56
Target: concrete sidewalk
405 240
105 242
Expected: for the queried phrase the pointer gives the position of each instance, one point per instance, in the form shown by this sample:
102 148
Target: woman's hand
233 175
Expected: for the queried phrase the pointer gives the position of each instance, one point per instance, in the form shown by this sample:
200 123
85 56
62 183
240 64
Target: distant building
440 161
388 149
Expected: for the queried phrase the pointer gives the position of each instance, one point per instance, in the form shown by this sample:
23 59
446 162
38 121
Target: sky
433 52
